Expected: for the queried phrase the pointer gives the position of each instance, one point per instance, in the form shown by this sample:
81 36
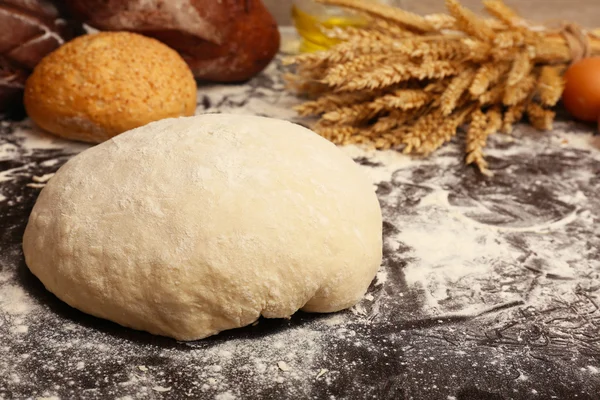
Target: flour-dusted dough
187 227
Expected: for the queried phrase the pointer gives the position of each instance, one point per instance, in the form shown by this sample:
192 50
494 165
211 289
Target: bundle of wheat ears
404 81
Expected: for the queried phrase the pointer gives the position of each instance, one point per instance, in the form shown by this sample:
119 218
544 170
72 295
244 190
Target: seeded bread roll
100 85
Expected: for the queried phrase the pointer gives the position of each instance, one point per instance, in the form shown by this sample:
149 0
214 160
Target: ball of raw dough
100 85
187 227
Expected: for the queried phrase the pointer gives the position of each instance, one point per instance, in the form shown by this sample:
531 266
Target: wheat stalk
407 82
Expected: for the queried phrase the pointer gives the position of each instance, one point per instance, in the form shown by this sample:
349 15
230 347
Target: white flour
448 248
30 139
444 259
15 303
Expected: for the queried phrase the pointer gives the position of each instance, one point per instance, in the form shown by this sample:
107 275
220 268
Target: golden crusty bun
97 86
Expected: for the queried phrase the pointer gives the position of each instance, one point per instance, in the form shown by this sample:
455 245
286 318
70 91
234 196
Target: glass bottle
312 21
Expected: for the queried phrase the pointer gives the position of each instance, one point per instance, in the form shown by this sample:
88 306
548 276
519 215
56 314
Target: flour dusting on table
489 288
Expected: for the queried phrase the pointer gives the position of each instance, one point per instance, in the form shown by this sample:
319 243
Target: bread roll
100 85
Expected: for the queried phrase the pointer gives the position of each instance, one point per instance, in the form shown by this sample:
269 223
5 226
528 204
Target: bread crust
100 85
30 29
223 41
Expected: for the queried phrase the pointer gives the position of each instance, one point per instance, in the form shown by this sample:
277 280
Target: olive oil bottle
313 21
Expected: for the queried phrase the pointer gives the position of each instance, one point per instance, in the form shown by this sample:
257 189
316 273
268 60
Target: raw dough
187 227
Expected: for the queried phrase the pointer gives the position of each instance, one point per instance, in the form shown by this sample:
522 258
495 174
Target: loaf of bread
29 29
100 85
222 41
12 82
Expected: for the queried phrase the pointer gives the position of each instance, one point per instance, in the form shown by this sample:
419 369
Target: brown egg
97 86
581 96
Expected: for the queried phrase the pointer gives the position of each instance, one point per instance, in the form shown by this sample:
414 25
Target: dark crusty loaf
29 29
12 82
226 40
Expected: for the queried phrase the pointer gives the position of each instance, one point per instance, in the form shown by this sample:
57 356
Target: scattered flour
593 370
225 396
42 179
14 301
440 261
388 161
161 389
30 139
448 249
